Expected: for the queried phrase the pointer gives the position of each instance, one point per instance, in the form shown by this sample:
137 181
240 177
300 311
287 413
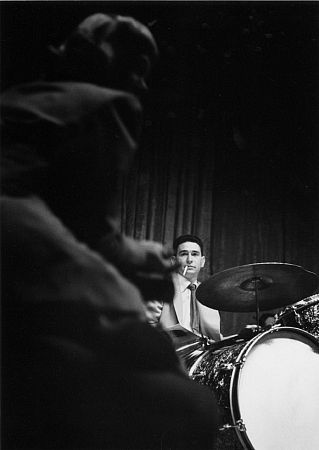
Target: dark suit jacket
81 367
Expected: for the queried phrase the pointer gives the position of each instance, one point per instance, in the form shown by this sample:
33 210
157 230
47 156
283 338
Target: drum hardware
257 287
206 342
297 316
190 352
245 334
274 329
195 348
232 366
199 374
255 284
239 425
189 346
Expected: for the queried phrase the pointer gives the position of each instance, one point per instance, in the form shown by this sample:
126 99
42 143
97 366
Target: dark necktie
194 317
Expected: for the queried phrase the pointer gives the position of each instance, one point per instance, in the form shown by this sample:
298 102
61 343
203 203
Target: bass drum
304 314
267 390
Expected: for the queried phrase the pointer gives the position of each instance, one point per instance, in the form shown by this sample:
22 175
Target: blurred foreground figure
82 369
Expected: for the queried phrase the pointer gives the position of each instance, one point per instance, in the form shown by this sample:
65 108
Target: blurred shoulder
81 95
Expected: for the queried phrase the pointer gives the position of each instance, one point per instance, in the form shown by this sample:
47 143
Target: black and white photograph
159 225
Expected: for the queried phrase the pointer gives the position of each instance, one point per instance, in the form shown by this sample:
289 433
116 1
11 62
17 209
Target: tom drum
304 315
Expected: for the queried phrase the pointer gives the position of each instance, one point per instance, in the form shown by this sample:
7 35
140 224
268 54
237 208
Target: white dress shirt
178 312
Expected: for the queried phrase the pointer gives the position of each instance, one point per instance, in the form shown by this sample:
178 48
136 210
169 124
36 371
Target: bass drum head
275 391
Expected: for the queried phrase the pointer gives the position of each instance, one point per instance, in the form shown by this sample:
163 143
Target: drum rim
187 346
198 360
238 366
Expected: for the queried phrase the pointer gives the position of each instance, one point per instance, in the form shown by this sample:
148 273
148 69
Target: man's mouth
186 268
190 267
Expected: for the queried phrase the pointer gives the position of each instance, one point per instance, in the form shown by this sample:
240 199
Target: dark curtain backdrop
229 149
181 184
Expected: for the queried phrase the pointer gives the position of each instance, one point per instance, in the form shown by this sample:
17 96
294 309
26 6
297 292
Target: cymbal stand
255 279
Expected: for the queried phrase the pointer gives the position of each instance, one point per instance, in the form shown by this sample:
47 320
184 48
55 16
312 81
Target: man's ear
202 262
173 260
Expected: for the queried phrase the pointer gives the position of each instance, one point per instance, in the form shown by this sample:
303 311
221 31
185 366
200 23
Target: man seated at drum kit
185 312
265 378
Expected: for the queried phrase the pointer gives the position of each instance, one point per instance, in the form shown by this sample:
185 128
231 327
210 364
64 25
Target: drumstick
185 270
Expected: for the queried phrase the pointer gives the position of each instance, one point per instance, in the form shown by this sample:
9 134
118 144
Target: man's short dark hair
187 238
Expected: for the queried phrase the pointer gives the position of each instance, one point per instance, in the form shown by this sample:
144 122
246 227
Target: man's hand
154 257
153 311
131 256
147 264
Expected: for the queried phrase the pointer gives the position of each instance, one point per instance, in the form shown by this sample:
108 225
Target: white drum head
277 391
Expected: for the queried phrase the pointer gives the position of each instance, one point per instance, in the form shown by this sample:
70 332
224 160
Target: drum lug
231 366
298 318
228 366
199 375
239 425
240 363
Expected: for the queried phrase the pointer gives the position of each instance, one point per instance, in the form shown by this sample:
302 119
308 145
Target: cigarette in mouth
185 270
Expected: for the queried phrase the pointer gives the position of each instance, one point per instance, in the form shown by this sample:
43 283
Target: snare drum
304 315
267 390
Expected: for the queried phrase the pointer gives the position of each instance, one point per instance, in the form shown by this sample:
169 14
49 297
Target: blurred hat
89 51
99 29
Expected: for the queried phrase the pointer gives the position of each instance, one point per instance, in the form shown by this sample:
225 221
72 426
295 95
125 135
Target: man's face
130 73
138 74
189 254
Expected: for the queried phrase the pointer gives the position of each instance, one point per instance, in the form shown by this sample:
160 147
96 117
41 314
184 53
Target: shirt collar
181 283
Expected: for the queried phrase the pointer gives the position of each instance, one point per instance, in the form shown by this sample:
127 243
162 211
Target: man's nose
189 258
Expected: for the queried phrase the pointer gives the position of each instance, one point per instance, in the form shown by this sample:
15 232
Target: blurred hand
154 257
153 311
131 256
147 264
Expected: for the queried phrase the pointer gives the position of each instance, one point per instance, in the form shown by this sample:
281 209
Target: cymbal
275 285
